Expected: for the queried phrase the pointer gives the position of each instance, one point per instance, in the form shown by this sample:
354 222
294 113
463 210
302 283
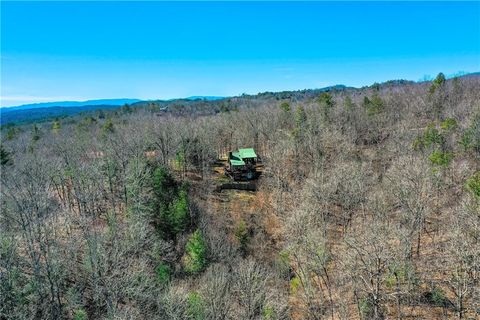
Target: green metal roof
237 162
247 153
236 159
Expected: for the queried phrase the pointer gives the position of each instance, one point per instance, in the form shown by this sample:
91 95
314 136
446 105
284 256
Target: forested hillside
368 207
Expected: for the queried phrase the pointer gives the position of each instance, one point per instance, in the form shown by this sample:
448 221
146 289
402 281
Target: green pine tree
348 103
179 214
195 253
437 83
56 125
195 306
35 133
285 107
241 234
5 157
326 102
108 126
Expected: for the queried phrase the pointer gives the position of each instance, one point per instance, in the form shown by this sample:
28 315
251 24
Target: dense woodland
368 208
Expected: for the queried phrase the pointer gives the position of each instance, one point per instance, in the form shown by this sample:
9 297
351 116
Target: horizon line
64 99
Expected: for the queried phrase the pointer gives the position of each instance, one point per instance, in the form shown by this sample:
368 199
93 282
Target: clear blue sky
54 51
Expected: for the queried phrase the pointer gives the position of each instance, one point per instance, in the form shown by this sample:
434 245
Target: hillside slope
367 208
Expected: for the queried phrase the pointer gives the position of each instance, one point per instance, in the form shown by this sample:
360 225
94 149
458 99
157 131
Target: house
241 164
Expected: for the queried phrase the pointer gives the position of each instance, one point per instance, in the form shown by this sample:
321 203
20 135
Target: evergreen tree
101 114
35 133
163 186
56 125
300 119
285 107
11 133
473 185
163 272
326 102
195 253
195 306
179 214
108 126
348 103
437 83
126 108
241 234
169 204
438 95
374 105
5 157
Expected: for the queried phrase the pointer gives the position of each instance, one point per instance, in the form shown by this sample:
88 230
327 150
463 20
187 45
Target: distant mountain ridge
207 98
98 102
49 110
44 113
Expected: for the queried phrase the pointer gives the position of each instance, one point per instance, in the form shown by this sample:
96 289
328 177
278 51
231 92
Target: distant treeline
177 106
45 114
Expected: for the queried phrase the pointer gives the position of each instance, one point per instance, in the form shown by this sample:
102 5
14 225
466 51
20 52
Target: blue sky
53 51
